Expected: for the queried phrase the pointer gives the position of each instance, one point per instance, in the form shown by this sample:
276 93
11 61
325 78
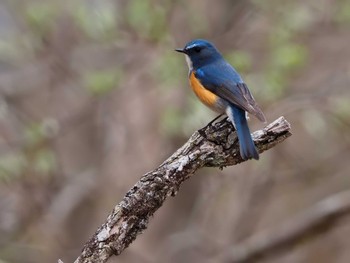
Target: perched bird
218 85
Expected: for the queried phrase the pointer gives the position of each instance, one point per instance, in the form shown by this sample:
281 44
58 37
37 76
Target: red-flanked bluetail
218 85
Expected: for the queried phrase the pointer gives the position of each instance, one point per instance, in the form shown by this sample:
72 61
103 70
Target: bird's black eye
197 49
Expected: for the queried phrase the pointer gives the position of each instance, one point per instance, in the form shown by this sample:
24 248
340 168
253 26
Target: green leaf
40 16
289 57
148 20
341 106
170 69
342 15
241 60
44 162
33 134
11 166
102 82
98 21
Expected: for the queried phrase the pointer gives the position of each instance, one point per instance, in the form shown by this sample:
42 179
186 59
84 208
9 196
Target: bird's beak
180 50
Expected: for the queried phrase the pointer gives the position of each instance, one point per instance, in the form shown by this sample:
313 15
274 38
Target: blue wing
222 79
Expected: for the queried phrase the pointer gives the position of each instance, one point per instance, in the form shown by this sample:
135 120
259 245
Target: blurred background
92 96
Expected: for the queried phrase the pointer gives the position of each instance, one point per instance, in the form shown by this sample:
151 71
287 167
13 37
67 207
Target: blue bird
219 86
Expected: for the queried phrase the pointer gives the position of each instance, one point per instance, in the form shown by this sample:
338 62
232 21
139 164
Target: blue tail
246 144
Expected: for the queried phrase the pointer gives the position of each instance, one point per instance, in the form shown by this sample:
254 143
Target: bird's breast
205 96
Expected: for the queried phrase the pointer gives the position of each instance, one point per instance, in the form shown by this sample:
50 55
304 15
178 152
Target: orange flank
205 96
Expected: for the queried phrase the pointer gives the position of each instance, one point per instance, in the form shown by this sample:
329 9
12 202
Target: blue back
219 77
217 73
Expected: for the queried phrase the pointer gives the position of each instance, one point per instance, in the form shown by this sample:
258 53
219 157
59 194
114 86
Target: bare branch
215 145
305 225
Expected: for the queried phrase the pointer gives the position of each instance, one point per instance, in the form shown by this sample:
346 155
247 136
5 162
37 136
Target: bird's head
199 52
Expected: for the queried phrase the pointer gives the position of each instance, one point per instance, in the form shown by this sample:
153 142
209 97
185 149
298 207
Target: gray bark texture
215 145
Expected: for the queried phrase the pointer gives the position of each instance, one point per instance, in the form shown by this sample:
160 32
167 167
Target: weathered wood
215 145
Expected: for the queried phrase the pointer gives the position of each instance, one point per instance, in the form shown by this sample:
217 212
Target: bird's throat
189 63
